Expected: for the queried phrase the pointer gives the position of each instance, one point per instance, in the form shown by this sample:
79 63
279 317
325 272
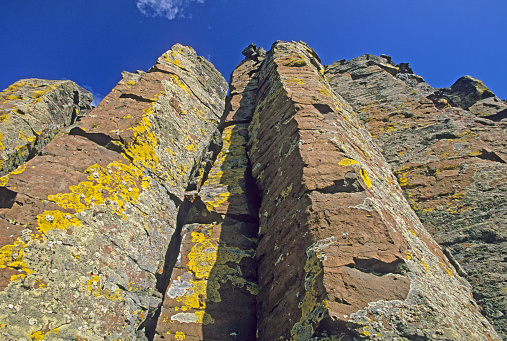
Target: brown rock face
32 112
89 222
171 212
341 253
449 162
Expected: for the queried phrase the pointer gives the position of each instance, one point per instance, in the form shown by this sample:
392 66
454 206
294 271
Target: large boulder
85 232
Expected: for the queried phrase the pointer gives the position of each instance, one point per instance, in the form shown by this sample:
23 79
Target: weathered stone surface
32 112
88 223
213 288
450 163
167 214
341 253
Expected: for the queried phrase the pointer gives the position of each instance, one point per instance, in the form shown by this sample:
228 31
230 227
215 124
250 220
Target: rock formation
32 112
305 205
450 163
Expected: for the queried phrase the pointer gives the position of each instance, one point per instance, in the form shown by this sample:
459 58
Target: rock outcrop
173 212
32 112
85 234
450 163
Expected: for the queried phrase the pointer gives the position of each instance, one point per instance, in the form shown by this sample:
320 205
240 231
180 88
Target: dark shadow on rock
231 291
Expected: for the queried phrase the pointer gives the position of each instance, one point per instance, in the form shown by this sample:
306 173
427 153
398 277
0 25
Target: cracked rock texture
341 253
87 226
450 162
174 212
32 112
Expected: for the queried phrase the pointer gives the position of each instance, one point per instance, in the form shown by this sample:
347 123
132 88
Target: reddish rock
87 224
341 253
449 162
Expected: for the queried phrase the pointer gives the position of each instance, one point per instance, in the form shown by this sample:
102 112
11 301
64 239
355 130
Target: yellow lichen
94 287
19 170
2 146
50 220
177 81
286 192
118 183
366 179
40 335
179 336
203 255
303 329
296 62
37 95
3 180
348 162
11 256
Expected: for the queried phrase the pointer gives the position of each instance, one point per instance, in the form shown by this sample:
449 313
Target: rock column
341 254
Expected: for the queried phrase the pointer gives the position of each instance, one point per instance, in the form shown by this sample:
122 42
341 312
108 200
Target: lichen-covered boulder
32 112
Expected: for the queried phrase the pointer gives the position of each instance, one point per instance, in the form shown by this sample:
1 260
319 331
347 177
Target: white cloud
165 8
96 97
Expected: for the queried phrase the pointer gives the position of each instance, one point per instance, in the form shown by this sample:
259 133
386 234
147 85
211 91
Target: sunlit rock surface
32 112
174 212
450 163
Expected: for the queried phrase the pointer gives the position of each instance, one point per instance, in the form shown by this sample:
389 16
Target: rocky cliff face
449 161
305 205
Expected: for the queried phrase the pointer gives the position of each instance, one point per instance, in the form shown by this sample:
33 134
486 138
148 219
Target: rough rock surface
450 162
341 254
213 288
32 112
172 213
86 226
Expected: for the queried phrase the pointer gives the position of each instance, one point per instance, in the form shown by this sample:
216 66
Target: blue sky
92 41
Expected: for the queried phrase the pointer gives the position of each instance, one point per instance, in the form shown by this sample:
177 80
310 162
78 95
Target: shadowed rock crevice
7 197
98 138
350 184
137 98
379 268
171 257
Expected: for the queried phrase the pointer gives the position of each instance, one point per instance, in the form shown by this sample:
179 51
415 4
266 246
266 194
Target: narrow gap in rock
136 98
163 280
98 138
173 250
